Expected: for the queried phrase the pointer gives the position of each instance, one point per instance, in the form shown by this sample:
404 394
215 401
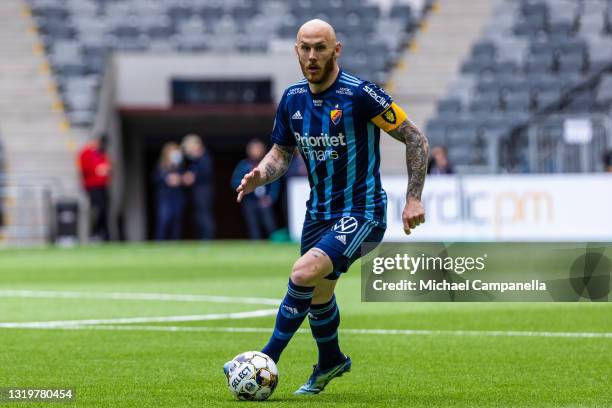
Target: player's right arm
274 164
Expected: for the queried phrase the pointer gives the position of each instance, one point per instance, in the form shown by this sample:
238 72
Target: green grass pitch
145 364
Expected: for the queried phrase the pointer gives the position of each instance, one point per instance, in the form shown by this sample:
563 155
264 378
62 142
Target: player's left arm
395 122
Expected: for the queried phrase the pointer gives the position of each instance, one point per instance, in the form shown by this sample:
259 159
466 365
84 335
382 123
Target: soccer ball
252 375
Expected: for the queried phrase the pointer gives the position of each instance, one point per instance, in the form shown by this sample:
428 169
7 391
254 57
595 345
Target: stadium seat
451 105
581 103
520 101
604 90
571 64
547 98
484 105
484 50
461 155
538 67
465 134
560 30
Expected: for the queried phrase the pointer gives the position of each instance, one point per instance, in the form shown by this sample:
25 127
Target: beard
323 74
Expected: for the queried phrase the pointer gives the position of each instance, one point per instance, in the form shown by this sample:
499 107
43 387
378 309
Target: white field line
164 297
454 333
127 320
113 323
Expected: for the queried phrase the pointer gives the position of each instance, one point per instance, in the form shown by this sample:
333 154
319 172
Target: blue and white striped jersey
339 143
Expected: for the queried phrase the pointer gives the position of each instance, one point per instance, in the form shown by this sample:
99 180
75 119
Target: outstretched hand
413 214
249 183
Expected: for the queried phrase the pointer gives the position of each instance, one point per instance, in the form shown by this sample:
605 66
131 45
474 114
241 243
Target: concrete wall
144 80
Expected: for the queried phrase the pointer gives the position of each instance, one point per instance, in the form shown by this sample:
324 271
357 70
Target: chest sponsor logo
317 102
321 147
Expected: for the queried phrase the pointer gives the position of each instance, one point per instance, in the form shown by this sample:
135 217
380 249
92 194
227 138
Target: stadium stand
535 61
79 34
38 160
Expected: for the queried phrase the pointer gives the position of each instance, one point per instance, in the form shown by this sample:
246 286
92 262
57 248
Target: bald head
318 50
318 29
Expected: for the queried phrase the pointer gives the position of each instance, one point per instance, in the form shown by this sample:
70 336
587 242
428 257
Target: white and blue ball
252 375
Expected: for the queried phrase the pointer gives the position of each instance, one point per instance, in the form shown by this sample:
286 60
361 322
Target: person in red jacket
95 169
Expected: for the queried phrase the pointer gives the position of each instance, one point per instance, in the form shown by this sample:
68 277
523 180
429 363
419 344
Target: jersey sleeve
281 131
379 107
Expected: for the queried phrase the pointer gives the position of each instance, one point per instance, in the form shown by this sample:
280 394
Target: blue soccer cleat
320 378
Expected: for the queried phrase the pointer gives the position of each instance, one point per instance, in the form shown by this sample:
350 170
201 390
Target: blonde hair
164 160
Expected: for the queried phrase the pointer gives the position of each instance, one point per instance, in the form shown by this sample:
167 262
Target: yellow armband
390 118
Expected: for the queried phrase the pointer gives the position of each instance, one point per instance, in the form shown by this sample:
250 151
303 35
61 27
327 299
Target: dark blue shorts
340 239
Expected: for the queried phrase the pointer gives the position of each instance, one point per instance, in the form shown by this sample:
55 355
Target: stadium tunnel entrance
148 99
225 131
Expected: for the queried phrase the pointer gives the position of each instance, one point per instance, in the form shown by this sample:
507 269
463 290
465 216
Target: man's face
194 150
317 56
256 151
439 156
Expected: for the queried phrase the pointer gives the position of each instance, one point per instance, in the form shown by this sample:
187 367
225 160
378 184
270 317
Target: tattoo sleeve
276 162
417 154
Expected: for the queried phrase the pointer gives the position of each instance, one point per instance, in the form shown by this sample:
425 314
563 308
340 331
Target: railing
548 150
551 151
28 205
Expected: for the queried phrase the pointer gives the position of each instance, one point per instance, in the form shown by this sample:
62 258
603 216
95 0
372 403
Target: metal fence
28 209
568 143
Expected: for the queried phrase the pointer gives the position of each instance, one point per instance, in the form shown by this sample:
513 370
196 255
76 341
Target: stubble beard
326 72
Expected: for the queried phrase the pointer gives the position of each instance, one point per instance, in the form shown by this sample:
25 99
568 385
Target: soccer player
334 120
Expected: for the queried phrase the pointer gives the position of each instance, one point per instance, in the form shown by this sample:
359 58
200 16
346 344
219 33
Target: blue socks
291 313
324 321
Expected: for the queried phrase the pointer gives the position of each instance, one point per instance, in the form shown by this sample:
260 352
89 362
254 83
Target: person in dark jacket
170 193
198 179
258 206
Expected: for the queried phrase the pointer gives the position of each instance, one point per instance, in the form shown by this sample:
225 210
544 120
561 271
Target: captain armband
390 118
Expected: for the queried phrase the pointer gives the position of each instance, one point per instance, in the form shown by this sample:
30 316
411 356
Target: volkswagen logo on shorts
346 225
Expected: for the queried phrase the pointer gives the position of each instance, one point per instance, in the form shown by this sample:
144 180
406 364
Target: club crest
335 115
389 116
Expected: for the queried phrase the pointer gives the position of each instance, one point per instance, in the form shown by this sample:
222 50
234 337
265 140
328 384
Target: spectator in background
198 178
438 163
607 161
95 169
257 207
170 193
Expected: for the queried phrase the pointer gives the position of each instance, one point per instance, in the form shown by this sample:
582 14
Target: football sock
324 321
291 313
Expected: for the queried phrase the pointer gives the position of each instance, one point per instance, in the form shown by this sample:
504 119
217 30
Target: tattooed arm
271 167
417 154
